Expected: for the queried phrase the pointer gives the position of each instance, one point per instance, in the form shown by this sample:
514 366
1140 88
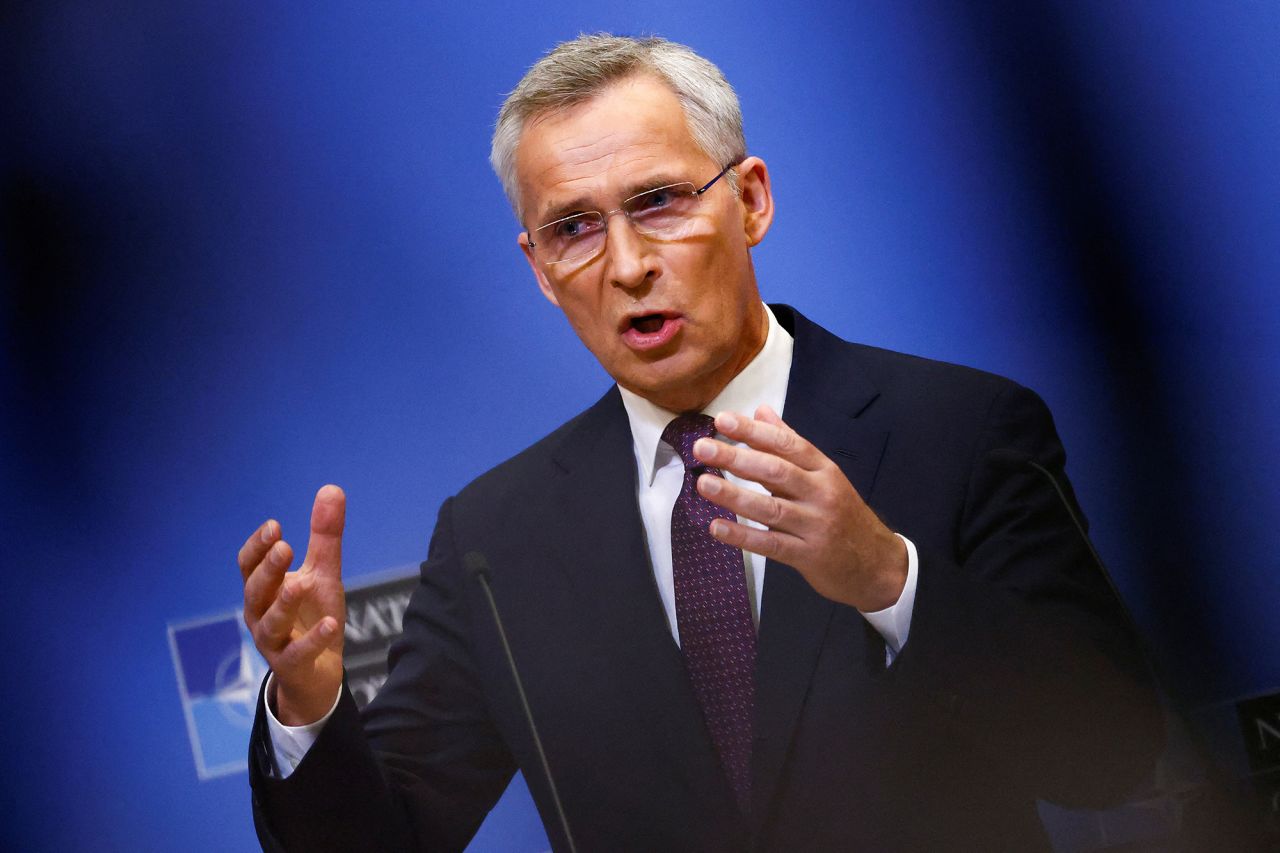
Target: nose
631 260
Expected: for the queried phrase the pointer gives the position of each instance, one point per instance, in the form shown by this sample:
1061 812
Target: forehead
629 134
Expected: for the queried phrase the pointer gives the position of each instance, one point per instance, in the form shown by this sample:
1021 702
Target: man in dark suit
724 646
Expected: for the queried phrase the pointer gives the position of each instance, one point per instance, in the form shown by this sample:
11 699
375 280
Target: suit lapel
825 396
614 584
604 552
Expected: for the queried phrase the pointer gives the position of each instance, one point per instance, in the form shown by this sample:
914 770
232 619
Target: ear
543 284
756 195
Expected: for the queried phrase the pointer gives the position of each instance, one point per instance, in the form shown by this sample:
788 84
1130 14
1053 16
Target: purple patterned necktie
717 636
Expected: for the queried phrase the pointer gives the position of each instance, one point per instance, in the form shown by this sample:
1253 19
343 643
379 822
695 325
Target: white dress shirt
659 477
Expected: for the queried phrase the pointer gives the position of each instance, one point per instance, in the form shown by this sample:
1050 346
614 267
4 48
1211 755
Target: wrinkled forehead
615 140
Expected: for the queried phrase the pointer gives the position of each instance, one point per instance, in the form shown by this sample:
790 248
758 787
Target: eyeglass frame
604 217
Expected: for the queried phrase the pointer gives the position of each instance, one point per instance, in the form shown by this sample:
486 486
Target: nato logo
219 671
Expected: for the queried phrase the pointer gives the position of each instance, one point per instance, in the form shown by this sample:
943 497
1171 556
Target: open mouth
650 331
648 324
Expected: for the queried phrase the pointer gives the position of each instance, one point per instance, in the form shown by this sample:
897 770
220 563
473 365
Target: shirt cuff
291 743
894 622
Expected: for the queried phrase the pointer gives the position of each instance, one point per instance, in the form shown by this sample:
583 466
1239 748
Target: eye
655 199
574 227
662 207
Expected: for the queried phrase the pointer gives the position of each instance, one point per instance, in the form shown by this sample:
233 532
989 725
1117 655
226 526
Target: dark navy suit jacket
1019 681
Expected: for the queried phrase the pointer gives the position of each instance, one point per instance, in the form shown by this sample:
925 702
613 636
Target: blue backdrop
252 248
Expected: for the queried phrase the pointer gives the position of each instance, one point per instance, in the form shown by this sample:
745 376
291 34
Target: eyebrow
582 204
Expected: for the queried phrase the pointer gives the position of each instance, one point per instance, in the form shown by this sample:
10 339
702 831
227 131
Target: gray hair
574 71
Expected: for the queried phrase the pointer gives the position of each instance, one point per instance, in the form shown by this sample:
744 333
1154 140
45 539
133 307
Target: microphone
1006 457
1215 802
478 569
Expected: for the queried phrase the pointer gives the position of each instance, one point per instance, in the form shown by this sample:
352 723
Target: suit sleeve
1017 639
424 763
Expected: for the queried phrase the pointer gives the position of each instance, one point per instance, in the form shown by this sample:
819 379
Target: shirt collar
763 380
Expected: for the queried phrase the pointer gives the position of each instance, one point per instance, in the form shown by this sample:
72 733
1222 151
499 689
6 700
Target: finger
253 549
776 474
766 413
774 513
305 649
771 544
264 582
776 438
273 630
328 515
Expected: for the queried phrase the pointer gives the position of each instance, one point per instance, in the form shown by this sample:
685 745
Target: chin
678 376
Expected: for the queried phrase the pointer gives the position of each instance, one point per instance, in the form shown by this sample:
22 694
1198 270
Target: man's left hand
815 519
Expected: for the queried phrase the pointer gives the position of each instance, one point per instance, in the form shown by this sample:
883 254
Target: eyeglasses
665 212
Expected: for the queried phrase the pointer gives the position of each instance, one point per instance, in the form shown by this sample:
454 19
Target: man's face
671 320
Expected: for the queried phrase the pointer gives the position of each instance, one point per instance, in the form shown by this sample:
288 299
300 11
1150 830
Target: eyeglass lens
665 211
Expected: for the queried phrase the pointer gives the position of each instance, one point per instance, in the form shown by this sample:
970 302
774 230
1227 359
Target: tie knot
684 430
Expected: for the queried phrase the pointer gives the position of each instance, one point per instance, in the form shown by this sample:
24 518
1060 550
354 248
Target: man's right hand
296 618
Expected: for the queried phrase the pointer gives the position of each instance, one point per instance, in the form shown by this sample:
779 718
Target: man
724 646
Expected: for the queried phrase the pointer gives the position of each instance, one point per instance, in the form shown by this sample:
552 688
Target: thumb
324 548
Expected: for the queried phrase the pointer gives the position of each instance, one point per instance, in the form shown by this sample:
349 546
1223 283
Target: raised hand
296 618
815 519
